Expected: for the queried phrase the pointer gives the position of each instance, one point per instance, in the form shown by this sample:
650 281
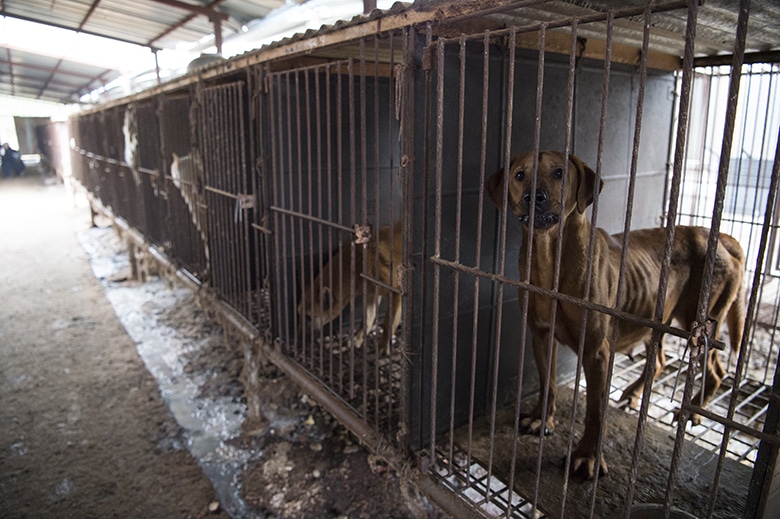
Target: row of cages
387 213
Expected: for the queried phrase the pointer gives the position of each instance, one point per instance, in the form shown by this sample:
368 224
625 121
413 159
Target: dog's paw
629 399
584 465
695 419
531 425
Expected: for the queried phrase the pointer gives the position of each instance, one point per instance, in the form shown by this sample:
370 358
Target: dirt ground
132 408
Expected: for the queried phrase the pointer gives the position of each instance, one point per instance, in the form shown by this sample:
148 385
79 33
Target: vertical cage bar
510 88
682 133
652 348
712 244
458 215
478 248
437 242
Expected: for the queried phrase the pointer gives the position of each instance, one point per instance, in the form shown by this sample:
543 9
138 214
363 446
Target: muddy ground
132 408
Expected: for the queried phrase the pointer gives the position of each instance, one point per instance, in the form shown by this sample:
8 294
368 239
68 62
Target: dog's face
562 186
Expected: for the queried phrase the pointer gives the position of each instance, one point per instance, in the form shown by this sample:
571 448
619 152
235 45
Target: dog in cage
564 188
337 285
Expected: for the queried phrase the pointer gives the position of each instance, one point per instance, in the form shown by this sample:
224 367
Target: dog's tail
735 318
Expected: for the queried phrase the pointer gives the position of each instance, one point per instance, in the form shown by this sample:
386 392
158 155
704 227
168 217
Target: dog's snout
539 199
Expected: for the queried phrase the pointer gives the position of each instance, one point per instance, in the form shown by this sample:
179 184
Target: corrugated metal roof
716 22
166 23
29 75
158 24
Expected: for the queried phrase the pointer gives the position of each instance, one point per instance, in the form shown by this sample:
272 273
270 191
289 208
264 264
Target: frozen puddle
207 423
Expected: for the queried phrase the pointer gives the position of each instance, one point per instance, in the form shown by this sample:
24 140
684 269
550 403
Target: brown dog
639 289
330 292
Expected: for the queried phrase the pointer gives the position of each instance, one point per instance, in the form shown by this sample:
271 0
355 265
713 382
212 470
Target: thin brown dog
332 290
557 176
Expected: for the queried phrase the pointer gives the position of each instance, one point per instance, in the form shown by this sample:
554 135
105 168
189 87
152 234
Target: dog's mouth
542 221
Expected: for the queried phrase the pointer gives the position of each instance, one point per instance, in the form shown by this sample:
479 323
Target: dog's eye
520 175
558 173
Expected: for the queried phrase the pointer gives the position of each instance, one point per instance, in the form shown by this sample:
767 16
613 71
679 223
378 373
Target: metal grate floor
490 496
752 405
481 490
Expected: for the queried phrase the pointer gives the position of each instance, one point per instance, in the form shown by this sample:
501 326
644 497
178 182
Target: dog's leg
634 391
532 424
371 304
595 364
392 320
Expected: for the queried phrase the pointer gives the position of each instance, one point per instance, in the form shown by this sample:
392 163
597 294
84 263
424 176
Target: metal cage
332 196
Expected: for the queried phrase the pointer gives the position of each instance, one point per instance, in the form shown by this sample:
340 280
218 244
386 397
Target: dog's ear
495 188
586 183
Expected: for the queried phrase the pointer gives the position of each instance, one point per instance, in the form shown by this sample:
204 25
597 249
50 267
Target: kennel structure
299 185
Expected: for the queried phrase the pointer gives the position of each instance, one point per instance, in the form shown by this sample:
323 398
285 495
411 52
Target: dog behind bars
565 187
331 291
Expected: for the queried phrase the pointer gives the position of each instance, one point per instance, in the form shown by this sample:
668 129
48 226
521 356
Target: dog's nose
541 197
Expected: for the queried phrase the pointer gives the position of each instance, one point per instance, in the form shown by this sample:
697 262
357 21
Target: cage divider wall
296 166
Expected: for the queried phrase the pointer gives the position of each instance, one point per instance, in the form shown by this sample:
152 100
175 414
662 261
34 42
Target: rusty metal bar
591 243
339 177
391 140
679 155
725 156
264 230
405 112
222 192
329 176
528 240
287 107
652 348
364 215
712 244
559 246
377 194
304 216
309 188
296 142
425 162
560 296
510 87
478 247
282 86
434 384
259 161
458 217
597 17
274 196
353 218
318 145
729 423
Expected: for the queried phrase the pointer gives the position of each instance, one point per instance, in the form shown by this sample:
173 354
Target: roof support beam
208 10
11 63
88 15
